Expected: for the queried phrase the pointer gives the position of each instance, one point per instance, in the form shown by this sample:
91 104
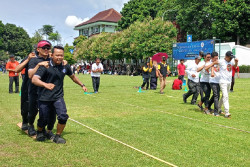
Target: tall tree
79 40
36 38
47 29
16 40
139 10
55 37
1 34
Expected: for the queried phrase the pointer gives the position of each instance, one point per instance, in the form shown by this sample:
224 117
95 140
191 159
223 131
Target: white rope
111 138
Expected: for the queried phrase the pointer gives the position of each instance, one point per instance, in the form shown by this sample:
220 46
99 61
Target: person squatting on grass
177 84
226 79
204 82
193 81
96 71
145 75
50 81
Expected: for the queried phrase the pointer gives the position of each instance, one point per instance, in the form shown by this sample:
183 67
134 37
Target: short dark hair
201 54
182 60
179 77
57 47
97 59
208 54
214 54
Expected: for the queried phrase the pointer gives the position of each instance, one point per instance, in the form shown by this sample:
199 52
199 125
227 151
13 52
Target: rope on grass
111 138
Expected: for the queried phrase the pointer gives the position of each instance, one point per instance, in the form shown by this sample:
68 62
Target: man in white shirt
204 82
225 80
96 71
214 80
193 81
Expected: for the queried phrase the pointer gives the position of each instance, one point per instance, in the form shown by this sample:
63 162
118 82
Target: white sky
63 14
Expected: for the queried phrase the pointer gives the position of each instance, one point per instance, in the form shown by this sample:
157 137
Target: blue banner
189 50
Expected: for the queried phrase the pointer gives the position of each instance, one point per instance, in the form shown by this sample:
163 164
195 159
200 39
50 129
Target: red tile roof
110 15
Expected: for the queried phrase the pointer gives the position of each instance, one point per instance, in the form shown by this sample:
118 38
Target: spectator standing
145 75
13 76
96 71
181 69
234 69
162 74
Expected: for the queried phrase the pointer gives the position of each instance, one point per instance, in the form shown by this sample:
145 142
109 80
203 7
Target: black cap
11 56
230 54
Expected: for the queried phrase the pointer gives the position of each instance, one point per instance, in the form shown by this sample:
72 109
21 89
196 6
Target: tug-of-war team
45 69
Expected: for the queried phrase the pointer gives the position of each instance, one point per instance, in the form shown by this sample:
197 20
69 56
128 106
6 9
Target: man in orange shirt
13 76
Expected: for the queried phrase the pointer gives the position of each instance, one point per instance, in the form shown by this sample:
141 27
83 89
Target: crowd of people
43 73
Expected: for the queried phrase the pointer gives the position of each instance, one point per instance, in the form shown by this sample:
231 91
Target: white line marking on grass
224 126
111 138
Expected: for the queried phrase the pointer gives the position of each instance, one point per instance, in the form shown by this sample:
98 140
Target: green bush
244 69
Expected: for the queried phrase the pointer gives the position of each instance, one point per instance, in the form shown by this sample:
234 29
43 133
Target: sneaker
40 136
59 140
216 114
184 98
206 112
193 103
228 116
31 130
220 112
211 110
200 107
50 135
95 92
24 126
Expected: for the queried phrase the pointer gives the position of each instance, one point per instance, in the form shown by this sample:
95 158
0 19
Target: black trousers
205 86
215 98
145 81
182 78
48 111
96 83
24 103
16 80
194 89
232 83
153 83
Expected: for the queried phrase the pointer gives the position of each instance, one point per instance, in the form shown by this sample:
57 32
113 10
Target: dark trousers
145 81
232 83
48 109
24 104
194 89
153 83
215 98
182 78
96 83
16 80
33 107
205 86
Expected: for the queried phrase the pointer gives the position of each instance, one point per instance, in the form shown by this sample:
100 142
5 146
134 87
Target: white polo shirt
192 69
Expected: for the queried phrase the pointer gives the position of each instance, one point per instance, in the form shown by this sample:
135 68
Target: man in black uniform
43 49
145 75
24 89
51 93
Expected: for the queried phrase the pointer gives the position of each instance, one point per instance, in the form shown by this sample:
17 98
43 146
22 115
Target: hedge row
244 69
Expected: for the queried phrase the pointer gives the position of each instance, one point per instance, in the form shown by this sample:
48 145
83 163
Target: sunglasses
45 48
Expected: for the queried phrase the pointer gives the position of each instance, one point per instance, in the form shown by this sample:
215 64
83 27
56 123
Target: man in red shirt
177 85
181 69
13 76
234 69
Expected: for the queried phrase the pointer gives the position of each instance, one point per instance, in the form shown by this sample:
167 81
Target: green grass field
160 125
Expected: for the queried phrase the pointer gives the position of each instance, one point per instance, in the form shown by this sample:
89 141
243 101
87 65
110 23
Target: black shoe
59 140
50 135
201 108
193 103
184 98
31 130
24 126
40 136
